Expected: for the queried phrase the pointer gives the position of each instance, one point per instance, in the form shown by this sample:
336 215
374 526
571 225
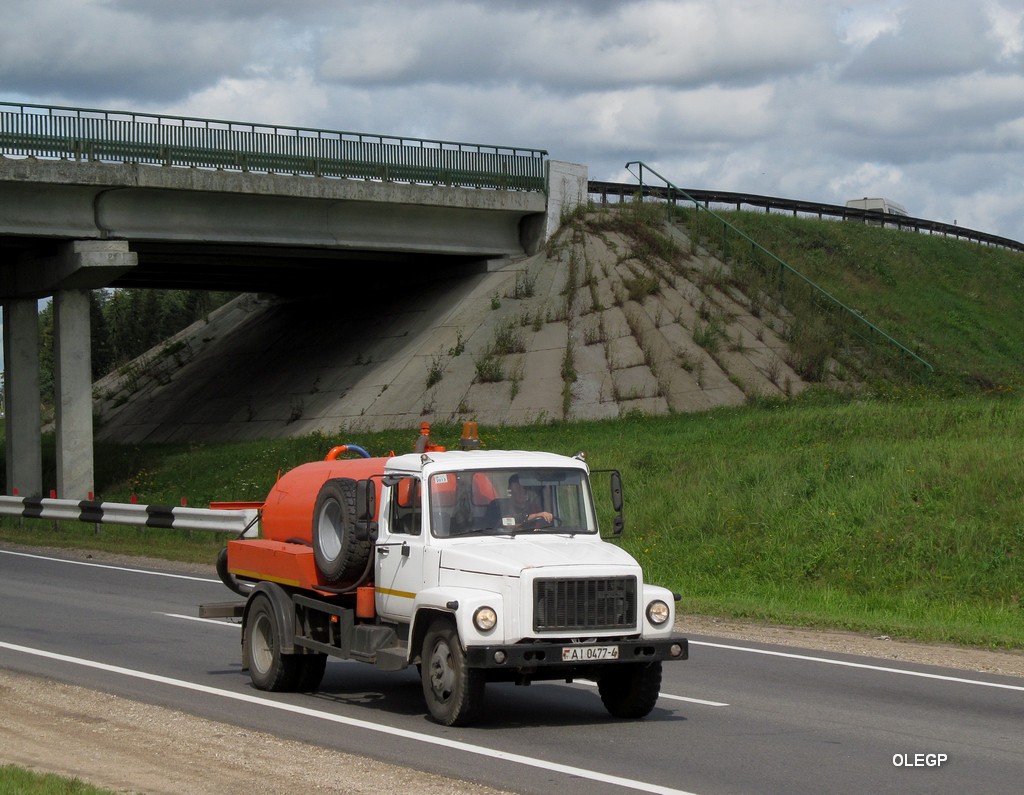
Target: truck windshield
510 501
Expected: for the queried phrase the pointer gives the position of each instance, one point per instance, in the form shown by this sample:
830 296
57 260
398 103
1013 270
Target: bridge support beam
21 392
72 357
83 266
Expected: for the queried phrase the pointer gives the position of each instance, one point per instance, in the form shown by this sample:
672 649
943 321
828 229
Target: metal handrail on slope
825 299
125 137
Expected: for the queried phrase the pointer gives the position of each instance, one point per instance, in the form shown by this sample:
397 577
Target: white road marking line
668 696
444 742
218 621
693 700
865 666
108 566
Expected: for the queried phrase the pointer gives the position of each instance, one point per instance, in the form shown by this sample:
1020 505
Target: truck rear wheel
269 669
630 690
453 692
339 555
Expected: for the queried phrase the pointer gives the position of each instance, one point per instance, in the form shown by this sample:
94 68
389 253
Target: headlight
658 612
485 619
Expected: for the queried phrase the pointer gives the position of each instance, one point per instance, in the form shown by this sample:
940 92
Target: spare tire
339 555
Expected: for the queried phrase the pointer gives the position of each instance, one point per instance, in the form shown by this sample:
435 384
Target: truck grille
580 605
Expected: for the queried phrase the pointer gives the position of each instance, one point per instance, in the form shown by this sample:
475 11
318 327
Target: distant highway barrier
162 516
622 191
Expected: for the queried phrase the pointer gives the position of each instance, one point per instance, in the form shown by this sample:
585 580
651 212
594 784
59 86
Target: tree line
125 324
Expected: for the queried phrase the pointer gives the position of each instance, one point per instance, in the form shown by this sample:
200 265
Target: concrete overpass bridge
92 199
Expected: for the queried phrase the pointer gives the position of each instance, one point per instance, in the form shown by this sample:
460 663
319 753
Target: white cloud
868 179
566 47
861 24
1007 30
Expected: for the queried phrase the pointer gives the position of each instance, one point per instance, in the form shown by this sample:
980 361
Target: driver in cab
523 508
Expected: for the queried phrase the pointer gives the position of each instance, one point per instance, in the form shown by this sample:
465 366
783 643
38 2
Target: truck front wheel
453 692
630 690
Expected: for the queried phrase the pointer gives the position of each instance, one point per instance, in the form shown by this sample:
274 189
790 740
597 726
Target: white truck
476 566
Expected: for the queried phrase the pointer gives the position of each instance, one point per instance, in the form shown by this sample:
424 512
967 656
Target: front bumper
533 656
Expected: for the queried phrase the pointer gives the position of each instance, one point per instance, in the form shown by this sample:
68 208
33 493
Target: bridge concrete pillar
84 265
21 392
72 357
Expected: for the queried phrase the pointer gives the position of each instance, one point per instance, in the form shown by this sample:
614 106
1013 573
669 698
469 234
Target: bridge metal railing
844 329
122 137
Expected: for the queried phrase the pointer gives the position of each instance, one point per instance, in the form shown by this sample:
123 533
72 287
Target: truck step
391 658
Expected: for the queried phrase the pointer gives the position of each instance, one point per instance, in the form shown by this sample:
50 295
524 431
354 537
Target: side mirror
616 486
366 510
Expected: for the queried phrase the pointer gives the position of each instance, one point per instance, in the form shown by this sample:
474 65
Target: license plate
589 653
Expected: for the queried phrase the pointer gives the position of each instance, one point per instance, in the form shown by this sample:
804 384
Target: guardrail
797 207
83 134
778 278
164 516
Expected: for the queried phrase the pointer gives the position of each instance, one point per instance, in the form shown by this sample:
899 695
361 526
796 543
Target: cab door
399 551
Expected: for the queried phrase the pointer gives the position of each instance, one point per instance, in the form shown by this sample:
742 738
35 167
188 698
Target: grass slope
955 304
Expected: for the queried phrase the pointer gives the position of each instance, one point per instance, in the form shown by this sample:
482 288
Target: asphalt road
735 718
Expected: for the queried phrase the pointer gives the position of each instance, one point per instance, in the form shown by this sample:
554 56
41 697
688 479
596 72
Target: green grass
895 517
16 781
955 304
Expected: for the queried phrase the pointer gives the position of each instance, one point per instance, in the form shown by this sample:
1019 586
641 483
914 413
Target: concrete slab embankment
563 334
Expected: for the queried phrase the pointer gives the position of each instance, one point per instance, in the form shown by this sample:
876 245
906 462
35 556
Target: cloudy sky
921 101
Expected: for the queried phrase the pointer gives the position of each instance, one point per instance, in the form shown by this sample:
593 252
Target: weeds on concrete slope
489 369
644 224
595 333
435 370
525 286
459 346
516 379
709 335
640 285
508 338
568 378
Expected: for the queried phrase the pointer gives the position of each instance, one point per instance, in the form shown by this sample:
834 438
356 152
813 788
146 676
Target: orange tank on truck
473 565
